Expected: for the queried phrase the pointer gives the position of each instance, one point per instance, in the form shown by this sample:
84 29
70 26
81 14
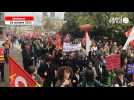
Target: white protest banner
71 47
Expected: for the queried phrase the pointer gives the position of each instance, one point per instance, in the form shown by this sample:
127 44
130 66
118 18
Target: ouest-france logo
119 20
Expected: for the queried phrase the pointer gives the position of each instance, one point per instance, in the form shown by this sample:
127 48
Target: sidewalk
17 46
16 53
5 82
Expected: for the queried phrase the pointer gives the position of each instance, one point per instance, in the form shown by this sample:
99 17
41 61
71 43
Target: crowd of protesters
54 68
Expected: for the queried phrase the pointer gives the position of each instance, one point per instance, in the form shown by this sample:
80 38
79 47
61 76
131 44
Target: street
15 52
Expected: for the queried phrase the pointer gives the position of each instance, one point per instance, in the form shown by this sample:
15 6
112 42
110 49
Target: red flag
58 41
18 77
112 61
128 32
49 40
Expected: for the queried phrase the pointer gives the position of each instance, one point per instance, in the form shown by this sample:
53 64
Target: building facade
52 14
53 20
45 14
2 24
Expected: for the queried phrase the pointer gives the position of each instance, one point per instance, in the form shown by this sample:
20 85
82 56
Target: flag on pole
18 77
58 41
130 38
88 43
49 40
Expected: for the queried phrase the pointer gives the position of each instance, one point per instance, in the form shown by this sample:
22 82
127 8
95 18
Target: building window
45 14
1 16
52 14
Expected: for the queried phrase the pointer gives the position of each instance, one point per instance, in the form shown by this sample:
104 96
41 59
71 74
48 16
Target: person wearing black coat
90 80
46 71
49 75
2 70
76 76
26 55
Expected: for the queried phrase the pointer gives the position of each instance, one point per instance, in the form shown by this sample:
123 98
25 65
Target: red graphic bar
11 18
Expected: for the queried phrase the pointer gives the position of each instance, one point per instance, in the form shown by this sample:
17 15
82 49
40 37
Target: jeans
2 71
6 54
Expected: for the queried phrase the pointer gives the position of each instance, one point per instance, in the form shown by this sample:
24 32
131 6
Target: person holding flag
33 72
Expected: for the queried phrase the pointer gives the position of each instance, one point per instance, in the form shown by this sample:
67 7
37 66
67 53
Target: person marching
7 46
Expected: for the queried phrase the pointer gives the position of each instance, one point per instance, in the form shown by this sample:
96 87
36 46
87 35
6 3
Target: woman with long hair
64 77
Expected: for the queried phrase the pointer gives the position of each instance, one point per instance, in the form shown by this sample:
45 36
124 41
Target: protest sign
71 47
130 68
112 61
